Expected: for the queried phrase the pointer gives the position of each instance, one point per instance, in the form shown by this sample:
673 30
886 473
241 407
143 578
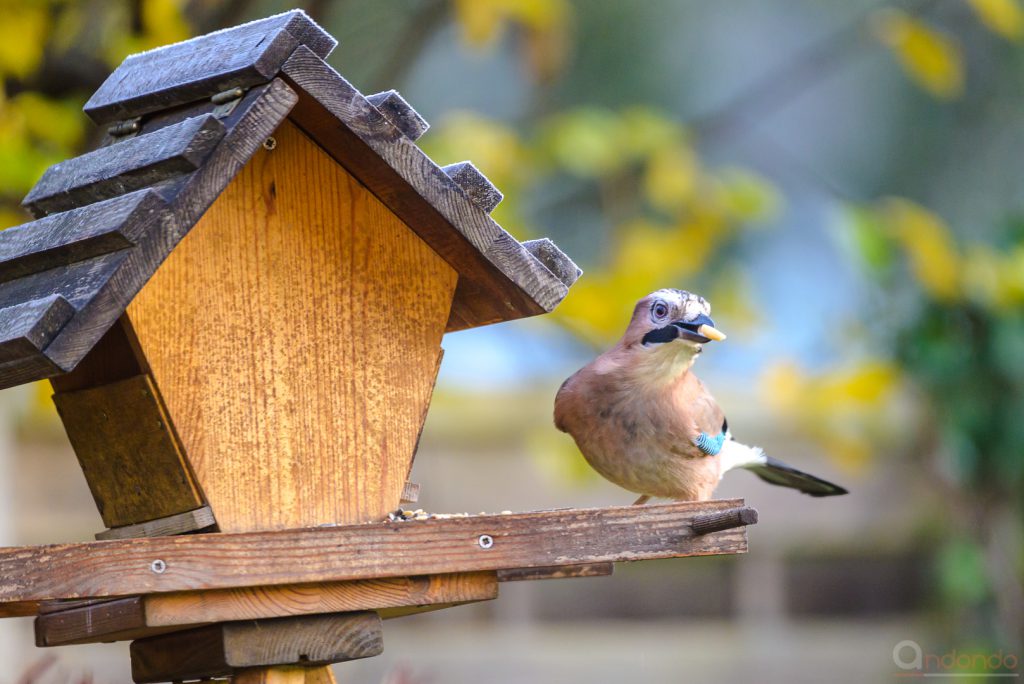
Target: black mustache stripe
660 335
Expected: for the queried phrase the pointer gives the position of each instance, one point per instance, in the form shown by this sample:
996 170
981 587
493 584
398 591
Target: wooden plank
400 113
137 617
117 620
475 184
369 551
179 523
504 280
319 315
196 69
410 493
556 572
724 520
261 110
554 259
71 236
19 609
325 597
128 450
219 650
125 166
26 328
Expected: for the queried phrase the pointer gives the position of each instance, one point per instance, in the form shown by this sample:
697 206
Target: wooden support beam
223 649
556 572
140 616
129 451
724 520
179 523
410 492
369 551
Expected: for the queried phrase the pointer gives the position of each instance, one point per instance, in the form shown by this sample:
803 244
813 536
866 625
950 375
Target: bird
644 421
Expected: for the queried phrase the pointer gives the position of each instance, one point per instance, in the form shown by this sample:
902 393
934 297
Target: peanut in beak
711 333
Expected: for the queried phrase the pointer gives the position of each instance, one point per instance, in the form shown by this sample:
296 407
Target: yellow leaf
585 142
929 57
537 14
746 196
57 122
1004 17
933 255
23 34
164 22
481 21
645 131
844 411
12 217
981 274
670 177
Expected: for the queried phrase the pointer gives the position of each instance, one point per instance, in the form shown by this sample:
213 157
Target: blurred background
841 180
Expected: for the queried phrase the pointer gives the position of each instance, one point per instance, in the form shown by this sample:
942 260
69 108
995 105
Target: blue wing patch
708 444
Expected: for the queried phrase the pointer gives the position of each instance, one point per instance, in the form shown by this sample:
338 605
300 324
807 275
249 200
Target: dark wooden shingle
125 166
239 57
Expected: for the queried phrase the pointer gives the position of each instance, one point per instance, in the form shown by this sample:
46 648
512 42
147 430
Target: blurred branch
418 30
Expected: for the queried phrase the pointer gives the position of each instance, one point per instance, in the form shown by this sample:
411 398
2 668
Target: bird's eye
660 310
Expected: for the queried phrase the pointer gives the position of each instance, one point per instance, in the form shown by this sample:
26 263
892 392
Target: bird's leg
642 500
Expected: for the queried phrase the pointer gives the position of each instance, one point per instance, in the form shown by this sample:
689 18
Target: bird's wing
704 419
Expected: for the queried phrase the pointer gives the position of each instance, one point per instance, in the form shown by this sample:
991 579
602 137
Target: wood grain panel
293 334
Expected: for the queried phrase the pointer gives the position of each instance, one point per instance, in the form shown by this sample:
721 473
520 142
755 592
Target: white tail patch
736 455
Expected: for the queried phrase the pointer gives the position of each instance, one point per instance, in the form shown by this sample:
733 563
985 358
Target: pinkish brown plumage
644 421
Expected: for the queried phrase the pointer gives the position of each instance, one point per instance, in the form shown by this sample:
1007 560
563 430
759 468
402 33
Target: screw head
270 143
486 541
158 566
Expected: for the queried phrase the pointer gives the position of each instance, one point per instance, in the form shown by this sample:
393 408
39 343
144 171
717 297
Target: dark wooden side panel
129 452
193 70
219 650
26 328
125 166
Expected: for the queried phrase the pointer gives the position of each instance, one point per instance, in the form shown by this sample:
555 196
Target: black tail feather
778 473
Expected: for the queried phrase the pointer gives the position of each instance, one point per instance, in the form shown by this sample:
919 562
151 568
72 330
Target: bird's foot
642 500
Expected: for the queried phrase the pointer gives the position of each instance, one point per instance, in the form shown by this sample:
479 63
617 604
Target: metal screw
485 541
158 566
269 143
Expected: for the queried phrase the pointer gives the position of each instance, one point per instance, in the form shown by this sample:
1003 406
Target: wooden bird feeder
239 299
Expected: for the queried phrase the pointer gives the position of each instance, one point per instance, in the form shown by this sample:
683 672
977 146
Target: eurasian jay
644 421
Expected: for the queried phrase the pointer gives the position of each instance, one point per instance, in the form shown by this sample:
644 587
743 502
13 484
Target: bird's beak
701 329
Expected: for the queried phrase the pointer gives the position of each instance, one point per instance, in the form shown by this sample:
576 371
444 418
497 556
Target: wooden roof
183 120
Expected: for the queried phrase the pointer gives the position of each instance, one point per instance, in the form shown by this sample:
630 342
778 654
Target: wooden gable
295 335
